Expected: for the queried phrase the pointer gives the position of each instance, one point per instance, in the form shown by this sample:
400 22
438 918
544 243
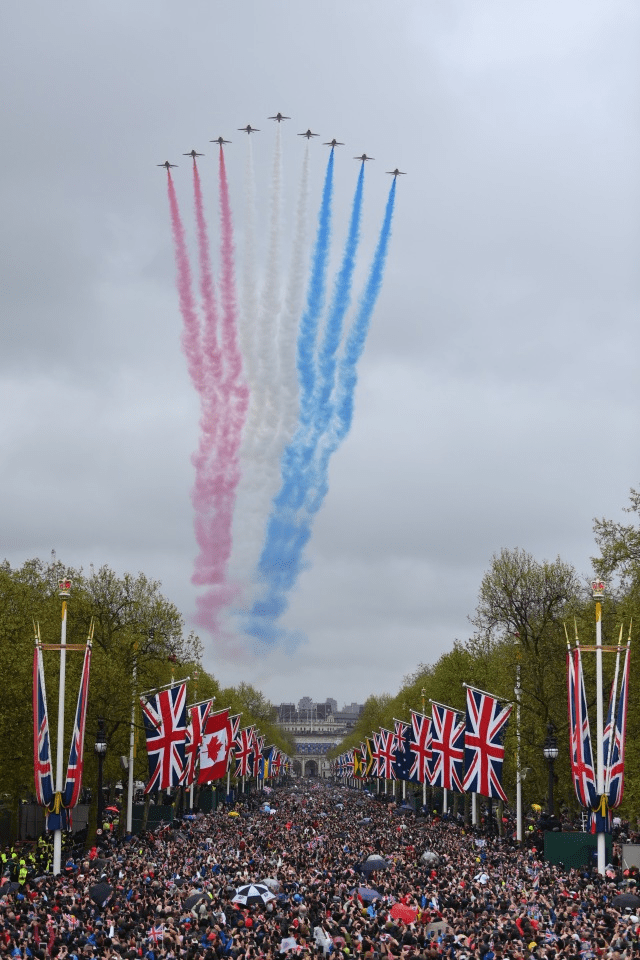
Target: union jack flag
447 748
156 933
165 720
420 747
256 757
375 755
348 764
486 722
243 749
75 766
613 748
386 754
198 715
581 754
43 775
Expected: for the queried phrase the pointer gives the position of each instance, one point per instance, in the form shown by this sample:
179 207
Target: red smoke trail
224 473
191 331
211 348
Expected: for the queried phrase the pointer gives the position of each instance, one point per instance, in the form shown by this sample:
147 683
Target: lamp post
550 751
101 749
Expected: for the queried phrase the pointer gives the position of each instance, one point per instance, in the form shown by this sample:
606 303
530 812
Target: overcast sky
497 403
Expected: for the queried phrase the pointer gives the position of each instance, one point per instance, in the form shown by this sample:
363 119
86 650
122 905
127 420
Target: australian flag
165 721
486 722
403 754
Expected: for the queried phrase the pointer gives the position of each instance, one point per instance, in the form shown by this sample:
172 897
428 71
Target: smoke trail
191 331
315 300
224 468
211 349
291 313
249 310
290 528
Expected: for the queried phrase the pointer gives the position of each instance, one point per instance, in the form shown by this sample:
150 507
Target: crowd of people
434 890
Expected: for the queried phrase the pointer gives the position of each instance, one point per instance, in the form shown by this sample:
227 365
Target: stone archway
311 768
298 768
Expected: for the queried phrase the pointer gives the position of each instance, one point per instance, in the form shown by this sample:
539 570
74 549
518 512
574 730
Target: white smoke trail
290 319
249 297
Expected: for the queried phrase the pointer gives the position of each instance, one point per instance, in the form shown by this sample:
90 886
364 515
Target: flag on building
215 747
486 721
447 748
420 747
165 720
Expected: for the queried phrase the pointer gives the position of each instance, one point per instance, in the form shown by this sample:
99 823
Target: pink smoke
191 331
215 500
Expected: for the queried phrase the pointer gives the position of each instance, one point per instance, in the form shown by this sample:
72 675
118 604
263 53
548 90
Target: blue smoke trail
289 528
315 299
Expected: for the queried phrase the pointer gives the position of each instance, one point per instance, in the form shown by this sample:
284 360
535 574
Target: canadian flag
216 744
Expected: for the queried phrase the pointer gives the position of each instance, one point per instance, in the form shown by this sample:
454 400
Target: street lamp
550 751
101 749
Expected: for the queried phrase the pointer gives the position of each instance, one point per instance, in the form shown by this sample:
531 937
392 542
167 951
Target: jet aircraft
167 164
279 117
396 173
334 143
220 140
364 157
193 153
308 134
249 129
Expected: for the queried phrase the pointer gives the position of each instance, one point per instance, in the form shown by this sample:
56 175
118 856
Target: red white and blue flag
198 715
614 739
486 722
403 757
73 783
375 754
447 748
42 769
156 933
243 751
420 747
386 754
581 754
215 747
165 721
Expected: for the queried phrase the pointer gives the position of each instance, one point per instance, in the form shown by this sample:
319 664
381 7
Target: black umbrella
624 900
374 862
100 893
193 899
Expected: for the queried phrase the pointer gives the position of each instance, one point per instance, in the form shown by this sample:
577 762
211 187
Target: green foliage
139 644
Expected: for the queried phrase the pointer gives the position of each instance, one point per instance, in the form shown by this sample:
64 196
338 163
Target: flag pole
517 692
598 588
64 590
132 734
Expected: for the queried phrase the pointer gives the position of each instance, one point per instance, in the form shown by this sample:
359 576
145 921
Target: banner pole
64 590
598 587
132 736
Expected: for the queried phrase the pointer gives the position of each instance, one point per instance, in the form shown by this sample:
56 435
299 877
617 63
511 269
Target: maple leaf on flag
213 748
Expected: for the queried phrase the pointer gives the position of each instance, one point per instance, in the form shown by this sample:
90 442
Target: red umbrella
400 911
